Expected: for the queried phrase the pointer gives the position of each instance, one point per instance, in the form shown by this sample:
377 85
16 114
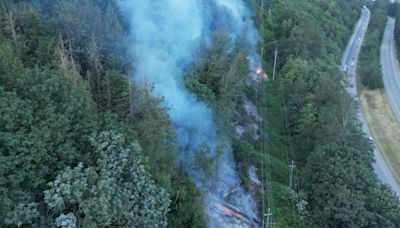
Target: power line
294 185
266 158
291 166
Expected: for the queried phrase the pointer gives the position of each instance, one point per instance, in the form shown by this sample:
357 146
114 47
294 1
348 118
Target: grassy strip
384 127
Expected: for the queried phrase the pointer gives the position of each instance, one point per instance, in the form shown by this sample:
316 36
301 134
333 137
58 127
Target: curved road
390 67
349 65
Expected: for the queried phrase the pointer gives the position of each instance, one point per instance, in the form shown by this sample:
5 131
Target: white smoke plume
164 35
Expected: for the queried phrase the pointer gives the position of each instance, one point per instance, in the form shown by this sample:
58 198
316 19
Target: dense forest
82 145
78 142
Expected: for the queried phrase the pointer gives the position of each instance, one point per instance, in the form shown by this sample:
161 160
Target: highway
390 67
349 66
350 55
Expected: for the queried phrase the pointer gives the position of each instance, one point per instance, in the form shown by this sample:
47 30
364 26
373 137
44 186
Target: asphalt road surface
390 67
349 66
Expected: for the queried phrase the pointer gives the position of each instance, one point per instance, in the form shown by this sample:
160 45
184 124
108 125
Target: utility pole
268 215
291 166
276 55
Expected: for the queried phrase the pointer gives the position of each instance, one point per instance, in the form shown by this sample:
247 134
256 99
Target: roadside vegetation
368 68
312 120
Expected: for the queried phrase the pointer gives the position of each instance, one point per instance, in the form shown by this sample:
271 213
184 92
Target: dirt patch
370 99
384 126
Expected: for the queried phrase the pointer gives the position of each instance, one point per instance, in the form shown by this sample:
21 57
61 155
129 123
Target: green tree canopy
115 192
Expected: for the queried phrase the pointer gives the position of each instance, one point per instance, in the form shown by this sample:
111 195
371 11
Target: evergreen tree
115 192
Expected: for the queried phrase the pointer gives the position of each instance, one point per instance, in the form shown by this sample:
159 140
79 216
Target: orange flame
260 71
230 211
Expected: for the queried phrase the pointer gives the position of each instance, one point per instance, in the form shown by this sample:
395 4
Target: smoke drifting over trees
165 36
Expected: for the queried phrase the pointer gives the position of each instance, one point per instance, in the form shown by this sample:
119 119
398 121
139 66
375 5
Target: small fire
259 70
230 211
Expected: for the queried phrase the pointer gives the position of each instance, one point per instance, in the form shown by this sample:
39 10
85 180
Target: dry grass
384 127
